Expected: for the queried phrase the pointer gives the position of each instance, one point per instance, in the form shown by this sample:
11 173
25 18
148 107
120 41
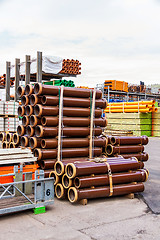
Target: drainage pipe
77 194
29 89
140 156
34 142
88 168
34 120
40 89
73 102
30 131
117 178
60 191
21 130
73 121
72 142
129 140
20 91
66 153
21 111
111 150
34 99
41 131
24 141
40 110
25 121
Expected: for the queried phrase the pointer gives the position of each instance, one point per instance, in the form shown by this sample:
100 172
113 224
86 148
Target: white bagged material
50 64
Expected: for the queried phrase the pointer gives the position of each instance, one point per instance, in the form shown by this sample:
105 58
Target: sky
113 39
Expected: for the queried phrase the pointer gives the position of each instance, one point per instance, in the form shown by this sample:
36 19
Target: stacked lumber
138 123
127 146
116 85
156 123
131 107
99 177
40 121
71 66
17 155
9 140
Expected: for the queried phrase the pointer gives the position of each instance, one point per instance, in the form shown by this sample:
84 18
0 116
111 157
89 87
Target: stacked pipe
128 107
99 177
71 66
127 146
3 80
9 140
39 129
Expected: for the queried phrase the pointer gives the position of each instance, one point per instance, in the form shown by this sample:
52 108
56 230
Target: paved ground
152 187
115 218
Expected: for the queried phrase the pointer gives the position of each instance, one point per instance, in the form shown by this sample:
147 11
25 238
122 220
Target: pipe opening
25 121
44 100
58 168
33 120
38 131
56 178
23 100
24 141
8 137
28 110
11 145
4 145
77 182
21 111
33 99
15 138
43 143
59 191
37 88
36 153
28 130
69 170
28 89
109 149
72 195
20 130
43 164
66 181
1 136
20 91
37 110
43 121
113 140
32 143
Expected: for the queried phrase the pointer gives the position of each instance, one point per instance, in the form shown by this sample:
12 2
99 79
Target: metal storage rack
127 96
26 194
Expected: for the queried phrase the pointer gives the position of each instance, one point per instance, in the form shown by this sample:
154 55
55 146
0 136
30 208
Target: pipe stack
40 120
71 66
101 177
131 107
127 146
9 140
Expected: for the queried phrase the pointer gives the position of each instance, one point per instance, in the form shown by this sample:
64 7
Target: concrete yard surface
101 219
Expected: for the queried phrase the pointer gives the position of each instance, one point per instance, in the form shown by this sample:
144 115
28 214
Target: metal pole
27 71
17 77
108 93
8 72
39 67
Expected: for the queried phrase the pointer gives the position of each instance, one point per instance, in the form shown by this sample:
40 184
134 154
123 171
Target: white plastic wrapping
50 64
